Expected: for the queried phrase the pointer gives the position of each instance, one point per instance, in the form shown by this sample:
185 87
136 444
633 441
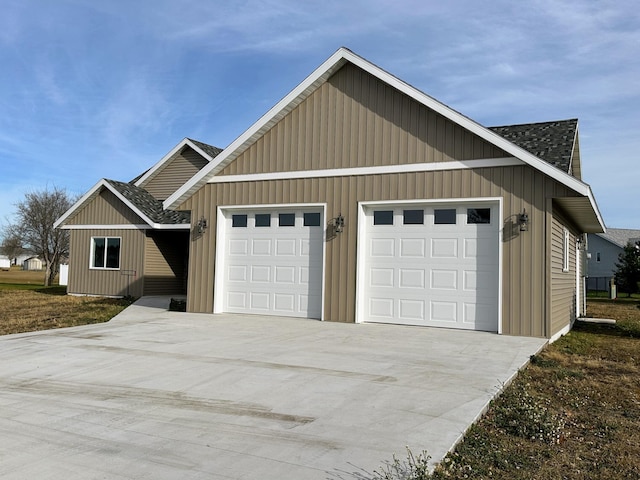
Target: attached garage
431 264
272 259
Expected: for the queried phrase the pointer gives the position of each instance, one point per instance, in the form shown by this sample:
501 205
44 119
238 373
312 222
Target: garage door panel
273 269
432 274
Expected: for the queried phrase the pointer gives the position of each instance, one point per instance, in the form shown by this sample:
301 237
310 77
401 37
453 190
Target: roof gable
588 211
161 179
136 199
620 236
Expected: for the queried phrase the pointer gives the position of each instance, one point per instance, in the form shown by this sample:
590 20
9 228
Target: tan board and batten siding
356 120
150 261
86 281
178 170
105 209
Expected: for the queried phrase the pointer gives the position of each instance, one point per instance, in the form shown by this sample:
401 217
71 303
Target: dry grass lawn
27 306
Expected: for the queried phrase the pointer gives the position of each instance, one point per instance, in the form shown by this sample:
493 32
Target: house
32 263
356 198
603 251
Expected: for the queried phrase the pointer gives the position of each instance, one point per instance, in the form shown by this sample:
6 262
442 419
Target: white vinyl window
565 251
105 253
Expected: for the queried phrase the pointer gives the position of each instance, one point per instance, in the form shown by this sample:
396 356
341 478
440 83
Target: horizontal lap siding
164 263
563 284
175 173
523 252
83 280
355 120
105 209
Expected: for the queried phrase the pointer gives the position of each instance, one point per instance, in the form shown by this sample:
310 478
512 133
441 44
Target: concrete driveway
160 395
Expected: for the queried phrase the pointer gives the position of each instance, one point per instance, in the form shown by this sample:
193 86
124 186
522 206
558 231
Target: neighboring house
5 262
604 249
32 263
356 198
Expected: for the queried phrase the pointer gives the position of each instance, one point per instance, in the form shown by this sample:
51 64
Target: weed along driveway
160 395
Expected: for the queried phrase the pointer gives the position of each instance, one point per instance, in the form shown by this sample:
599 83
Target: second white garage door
272 261
432 265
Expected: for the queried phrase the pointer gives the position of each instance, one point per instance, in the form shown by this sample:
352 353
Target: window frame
106 250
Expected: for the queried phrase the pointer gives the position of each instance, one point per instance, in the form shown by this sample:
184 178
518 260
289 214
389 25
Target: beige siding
524 292
175 173
355 120
165 263
83 280
105 209
563 284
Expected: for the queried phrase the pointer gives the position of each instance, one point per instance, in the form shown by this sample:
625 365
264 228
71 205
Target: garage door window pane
311 219
478 215
383 217
445 216
239 221
413 217
263 219
287 219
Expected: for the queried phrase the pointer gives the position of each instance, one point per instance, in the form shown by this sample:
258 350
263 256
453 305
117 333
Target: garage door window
444 216
287 219
413 217
263 219
383 217
478 215
311 219
239 221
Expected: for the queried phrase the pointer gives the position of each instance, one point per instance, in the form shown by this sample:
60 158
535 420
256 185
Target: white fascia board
376 170
596 210
126 226
157 167
311 83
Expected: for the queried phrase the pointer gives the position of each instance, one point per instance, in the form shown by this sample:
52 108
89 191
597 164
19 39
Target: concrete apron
161 395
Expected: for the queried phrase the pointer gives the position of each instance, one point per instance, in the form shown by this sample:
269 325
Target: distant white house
5 262
33 263
604 249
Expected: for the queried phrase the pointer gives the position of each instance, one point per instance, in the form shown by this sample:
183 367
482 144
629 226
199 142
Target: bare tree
11 245
34 230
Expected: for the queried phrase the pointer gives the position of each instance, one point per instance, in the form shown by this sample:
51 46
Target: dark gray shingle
549 141
149 206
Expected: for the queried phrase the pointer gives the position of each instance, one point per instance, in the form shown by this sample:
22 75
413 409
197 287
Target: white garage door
273 262
433 265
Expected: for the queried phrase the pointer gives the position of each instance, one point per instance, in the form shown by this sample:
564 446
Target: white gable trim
153 171
318 77
95 190
377 170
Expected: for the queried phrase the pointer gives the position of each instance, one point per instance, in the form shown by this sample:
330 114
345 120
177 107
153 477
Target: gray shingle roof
620 236
209 149
549 141
148 205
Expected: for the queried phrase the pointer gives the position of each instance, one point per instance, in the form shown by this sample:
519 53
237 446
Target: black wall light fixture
338 223
201 226
523 221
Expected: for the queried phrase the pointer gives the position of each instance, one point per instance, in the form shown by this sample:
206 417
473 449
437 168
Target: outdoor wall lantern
201 226
523 220
338 224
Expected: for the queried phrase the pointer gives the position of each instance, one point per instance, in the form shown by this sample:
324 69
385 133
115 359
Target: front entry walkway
160 395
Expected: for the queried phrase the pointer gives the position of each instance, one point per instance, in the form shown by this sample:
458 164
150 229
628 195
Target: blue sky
105 89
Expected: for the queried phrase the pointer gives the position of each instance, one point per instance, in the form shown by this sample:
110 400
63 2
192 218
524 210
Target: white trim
106 242
377 170
317 78
220 257
360 249
565 250
153 171
106 227
95 190
561 333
